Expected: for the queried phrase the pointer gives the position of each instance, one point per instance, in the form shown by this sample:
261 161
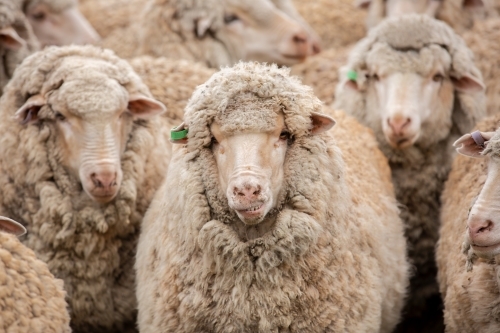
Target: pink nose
301 42
105 180
479 227
248 192
398 124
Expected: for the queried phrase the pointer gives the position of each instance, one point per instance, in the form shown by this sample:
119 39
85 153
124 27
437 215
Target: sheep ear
28 113
202 26
144 107
468 83
321 123
362 3
11 226
473 144
473 3
10 39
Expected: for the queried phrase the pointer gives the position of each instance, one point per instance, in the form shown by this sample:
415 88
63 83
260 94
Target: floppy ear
473 144
321 123
28 113
202 25
11 226
144 107
178 134
467 83
10 39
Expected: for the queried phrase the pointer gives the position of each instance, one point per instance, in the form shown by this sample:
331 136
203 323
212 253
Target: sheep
81 154
321 249
217 33
413 81
482 39
17 40
338 22
31 299
467 250
459 14
171 81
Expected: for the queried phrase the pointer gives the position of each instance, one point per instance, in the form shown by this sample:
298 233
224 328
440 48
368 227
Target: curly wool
470 298
90 246
323 266
11 16
31 299
418 172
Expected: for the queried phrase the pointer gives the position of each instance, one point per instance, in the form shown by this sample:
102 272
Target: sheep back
31 299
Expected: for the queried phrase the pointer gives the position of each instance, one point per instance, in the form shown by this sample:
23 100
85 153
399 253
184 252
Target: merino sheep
217 32
467 251
17 40
413 81
459 14
81 155
338 22
297 243
170 81
57 22
31 299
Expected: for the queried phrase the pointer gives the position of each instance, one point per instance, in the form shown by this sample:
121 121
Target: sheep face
250 166
258 30
60 27
413 94
91 116
483 225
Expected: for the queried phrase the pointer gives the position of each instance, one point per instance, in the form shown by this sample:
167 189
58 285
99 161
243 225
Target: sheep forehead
248 113
425 61
90 97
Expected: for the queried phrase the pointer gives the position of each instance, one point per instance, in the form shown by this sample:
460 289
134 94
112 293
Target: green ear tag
352 75
178 134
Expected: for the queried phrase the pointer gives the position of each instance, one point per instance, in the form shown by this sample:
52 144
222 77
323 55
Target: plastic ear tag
352 75
178 133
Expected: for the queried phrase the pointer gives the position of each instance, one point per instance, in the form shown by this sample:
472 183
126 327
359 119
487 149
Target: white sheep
217 32
81 155
263 224
17 40
459 14
31 299
413 81
57 22
468 247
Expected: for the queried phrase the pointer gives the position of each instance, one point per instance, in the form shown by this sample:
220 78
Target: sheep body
326 264
418 171
31 299
91 246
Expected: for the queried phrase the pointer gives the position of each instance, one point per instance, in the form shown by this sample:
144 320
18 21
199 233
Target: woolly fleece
471 299
334 261
31 299
11 16
90 246
419 171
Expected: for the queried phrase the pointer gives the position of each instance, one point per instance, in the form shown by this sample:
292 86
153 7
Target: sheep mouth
254 210
253 214
402 142
486 250
103 198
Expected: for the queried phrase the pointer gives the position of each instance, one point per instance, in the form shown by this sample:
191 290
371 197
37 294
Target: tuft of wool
31 299
419 171
334 259
470 296
90 246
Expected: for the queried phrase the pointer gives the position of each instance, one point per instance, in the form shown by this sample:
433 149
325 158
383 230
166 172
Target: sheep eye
229 18
59 116
284 135
375 77
40 16
214 141
437 78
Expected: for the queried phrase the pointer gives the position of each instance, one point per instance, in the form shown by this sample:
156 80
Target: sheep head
59 23
483 224
91 114
413 86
